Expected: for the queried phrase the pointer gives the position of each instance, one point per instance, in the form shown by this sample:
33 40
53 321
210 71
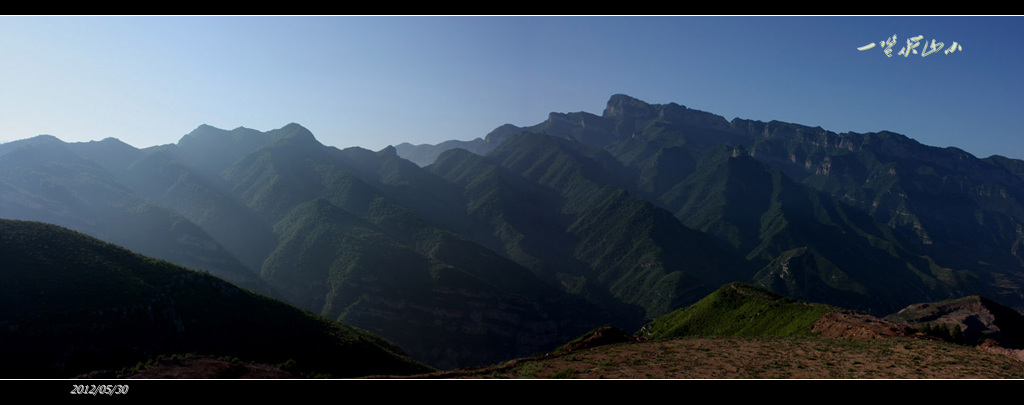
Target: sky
377 81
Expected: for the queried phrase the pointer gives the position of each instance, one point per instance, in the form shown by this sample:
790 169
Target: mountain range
471 252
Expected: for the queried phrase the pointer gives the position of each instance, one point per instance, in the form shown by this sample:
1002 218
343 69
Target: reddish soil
850 345
208 368
851 324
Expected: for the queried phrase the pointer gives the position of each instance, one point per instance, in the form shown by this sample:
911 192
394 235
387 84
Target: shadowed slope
74 304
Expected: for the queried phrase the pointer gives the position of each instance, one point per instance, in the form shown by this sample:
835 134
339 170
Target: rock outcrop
978 318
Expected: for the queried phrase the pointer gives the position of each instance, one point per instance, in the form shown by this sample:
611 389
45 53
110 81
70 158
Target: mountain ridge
901 183
558 227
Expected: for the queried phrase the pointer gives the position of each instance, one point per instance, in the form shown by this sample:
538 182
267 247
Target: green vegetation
738 309
565 209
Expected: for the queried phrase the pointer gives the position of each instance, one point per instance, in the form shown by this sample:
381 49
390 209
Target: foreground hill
72 304
738 357
744 331
738 309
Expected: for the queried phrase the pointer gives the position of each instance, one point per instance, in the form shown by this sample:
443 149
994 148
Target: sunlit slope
738 309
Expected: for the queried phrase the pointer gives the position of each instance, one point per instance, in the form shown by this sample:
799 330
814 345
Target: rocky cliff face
977 317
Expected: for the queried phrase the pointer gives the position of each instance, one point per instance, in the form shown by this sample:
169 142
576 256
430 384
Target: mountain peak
388 151
294 127
500 133
112 142
46 138
33 141
202 131
293 132
621 105
39 139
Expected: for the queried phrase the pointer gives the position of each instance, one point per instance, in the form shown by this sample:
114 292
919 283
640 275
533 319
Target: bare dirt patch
204 368
851 324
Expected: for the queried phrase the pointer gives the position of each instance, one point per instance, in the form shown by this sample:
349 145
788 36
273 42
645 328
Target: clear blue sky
375 81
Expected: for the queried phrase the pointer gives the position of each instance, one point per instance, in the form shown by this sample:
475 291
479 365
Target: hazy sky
375 81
